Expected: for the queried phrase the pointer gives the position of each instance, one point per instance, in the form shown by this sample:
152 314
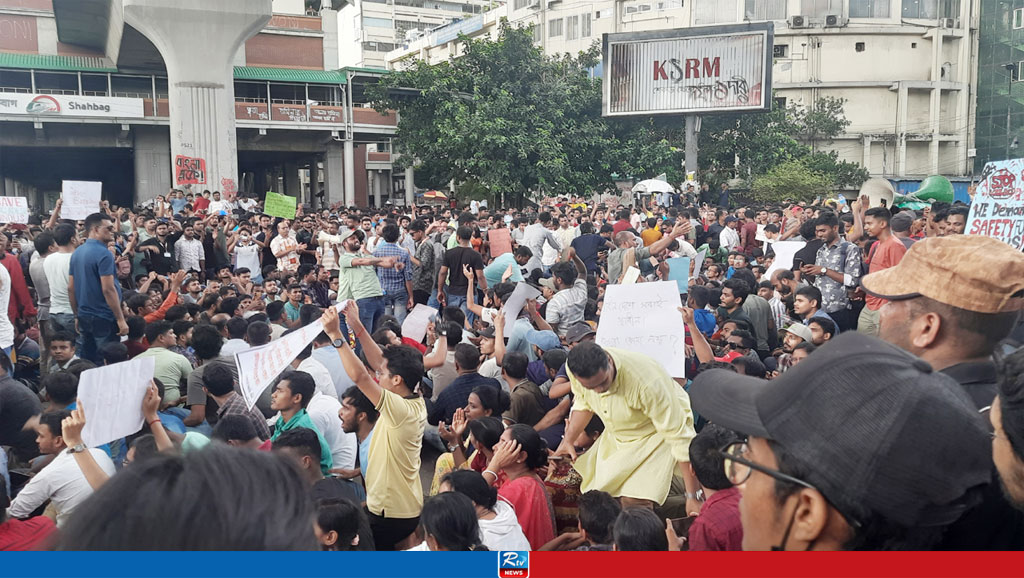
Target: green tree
790 181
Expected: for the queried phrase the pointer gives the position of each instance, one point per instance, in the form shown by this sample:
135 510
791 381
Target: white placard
111 397
644 317
997 209
631 275
515 303
760 234
784 253
415 325
259 366
701 255
81 199
13 210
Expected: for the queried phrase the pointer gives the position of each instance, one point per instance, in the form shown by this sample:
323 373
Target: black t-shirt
17 404
305 237
454 259
715 230
808 255
268 255
161 260
335 488
587 248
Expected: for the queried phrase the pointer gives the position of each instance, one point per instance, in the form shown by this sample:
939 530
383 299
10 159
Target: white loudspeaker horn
878 190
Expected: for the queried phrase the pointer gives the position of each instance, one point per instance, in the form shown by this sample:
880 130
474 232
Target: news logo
513 564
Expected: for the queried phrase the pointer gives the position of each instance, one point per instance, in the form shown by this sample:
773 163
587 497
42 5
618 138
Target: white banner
784 253
259 366
645 318
997 209
81 199
13 210
65 105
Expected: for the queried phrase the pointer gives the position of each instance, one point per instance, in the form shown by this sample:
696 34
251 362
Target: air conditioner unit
798 21
835 21
550 2
413 34
949 23
533 4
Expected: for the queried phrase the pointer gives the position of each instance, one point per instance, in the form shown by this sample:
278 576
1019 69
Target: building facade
905 68
1000 74
370 29
241 96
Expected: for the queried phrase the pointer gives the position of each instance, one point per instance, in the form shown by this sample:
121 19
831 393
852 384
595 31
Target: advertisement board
688 70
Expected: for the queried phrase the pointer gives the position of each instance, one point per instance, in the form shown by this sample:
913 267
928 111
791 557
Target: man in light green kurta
648 425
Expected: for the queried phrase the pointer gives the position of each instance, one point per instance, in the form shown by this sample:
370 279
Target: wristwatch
338 343
76 449
824 270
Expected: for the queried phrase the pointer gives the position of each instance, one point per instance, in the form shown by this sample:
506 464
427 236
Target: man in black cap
861 447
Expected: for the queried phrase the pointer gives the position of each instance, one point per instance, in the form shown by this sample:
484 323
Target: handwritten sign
13 210
259 366
679 271
644 317
415 325
278 205
111 397
515 303
784 253
81 199
189 170
997 210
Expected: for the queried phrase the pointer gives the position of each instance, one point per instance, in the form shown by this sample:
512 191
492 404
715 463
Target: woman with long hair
519 454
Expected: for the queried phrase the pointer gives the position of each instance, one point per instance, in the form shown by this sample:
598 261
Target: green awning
55 62
290 75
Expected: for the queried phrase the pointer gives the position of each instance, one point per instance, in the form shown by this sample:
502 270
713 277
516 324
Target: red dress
533 508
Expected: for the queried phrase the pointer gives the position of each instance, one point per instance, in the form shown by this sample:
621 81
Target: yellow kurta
648 428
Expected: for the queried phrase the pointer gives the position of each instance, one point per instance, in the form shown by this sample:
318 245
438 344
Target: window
585 31
713 12
869 8
378 46
927 9
555 28
1018 19
821 7
572 28
860 47
519 4
780 51
378 22
1018 73
765 10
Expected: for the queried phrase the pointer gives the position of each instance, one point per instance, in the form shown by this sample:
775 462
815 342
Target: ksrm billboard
689 70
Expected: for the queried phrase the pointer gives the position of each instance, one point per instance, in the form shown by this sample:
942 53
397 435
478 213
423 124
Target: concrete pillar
371 187
152 157
334 183
198 41
350 174
292 182
3 180
410 186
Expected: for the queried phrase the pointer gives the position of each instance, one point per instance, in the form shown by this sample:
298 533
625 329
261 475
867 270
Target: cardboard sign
699 265
500 242
679 271
760 234
644 317
277 205
81 199
997 209
259 366
784 253
111 397
631 276
515 303
13 210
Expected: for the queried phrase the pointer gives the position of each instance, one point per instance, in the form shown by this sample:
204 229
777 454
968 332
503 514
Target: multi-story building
904 67
370 29
145 95
1000 74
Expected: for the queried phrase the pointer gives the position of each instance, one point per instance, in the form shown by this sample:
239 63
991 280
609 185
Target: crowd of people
868 396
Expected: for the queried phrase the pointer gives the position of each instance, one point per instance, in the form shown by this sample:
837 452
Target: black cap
487 332
578 331
870 423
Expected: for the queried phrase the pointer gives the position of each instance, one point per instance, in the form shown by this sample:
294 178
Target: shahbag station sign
688 70
57 105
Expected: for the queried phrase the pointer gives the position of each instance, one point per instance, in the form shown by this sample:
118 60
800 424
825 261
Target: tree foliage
790 181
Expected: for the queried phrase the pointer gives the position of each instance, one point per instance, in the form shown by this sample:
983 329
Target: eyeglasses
738 468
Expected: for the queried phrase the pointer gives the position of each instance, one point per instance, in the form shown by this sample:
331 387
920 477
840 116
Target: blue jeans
460 302
94 333
397 304
370 310
433 302
63 322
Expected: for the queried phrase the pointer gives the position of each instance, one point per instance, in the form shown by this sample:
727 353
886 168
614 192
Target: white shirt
248 256
188 253
289 261
233 346
323 411
58 274
320 374
6 328
216 206
729 239
62 482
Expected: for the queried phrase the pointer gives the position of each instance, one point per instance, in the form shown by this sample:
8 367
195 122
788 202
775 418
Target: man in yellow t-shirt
651 234
394 492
